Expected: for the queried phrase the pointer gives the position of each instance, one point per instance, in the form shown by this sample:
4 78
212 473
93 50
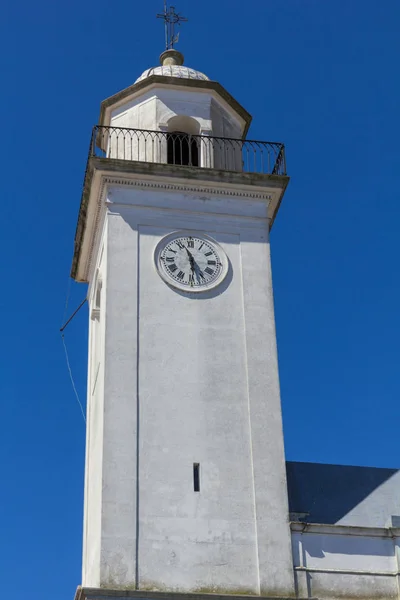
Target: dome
172 66
173 71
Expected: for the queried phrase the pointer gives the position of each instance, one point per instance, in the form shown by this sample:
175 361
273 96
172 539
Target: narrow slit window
196 477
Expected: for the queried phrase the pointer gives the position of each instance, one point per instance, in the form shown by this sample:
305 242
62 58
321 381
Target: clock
192 262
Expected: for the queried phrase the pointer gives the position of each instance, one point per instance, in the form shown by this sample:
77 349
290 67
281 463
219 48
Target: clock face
191 262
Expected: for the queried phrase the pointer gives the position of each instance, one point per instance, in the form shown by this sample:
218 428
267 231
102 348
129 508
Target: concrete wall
191 380
175 380
354 552
156 109
92 527
333 562
158 105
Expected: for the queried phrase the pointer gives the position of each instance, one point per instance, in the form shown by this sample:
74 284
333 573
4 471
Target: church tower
185 485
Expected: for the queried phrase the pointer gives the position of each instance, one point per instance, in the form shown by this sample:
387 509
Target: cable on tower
62 328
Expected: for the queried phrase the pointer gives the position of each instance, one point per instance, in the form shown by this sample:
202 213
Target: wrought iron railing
203 151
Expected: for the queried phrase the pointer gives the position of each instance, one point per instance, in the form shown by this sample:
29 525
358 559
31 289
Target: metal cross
171 18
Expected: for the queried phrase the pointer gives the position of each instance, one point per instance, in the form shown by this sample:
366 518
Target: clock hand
191 259
194 266
197 270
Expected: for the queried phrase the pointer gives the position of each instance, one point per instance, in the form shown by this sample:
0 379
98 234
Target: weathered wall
158 105
159 110
345 562
353 552
191 380
92 526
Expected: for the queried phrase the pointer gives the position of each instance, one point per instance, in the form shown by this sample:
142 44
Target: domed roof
172 66
173 71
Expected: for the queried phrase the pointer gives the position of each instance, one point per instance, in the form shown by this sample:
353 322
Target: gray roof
359 496
179 71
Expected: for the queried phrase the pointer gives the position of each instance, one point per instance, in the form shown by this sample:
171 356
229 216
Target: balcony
256 169
181 149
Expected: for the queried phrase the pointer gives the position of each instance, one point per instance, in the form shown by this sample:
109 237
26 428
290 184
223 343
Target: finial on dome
171 18
171 57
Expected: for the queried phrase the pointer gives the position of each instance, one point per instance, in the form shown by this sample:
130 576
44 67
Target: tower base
104 594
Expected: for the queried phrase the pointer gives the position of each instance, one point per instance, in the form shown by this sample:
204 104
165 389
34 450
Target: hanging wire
71 377
73 315
65 323
67 297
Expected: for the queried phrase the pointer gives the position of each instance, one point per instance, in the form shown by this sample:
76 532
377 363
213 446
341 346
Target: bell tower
185 486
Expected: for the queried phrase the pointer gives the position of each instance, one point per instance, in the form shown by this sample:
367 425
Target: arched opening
182 149
183 141
98 295
95 334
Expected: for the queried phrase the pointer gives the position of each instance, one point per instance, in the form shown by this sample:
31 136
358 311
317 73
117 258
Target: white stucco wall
95 423
190 380
380 508
333 562
158 105
155 109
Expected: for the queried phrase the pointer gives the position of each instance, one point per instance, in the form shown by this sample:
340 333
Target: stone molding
142 183
97 231
176 187
100 593
101 172
355 572
154 81
354 530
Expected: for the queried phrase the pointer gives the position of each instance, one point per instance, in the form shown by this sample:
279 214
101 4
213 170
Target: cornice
177 187
162 81
353 530
84 593
102 173
95 239
106 181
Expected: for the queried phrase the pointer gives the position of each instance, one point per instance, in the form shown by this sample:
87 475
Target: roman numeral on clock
193 263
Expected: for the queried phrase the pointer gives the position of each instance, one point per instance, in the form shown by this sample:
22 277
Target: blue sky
319 75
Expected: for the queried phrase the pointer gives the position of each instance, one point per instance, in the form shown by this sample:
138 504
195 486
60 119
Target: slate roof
360 496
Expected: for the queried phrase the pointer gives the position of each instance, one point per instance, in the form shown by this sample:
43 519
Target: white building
186 486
